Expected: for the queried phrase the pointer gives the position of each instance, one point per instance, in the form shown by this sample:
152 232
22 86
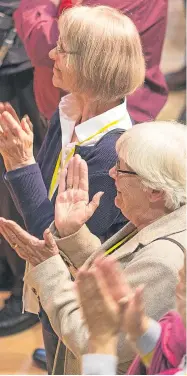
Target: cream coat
144 258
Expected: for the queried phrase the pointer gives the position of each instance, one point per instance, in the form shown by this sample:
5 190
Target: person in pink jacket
161 346
36 24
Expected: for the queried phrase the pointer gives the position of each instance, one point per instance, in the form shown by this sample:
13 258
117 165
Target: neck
145 219
90 108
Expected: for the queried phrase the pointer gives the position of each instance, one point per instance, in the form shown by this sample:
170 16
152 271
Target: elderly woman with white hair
150 177
98 61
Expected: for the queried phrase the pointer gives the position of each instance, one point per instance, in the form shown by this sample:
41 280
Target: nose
52 54
112 172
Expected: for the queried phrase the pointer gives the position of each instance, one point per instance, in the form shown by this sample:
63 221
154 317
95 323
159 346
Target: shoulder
158 261
162 251
55 119
110 138
102 156
54 125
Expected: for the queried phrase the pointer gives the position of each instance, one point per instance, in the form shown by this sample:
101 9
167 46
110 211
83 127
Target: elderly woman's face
63 77
181 293
131 197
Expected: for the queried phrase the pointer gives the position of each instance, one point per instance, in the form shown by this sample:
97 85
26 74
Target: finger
81 270
93 205
2 107
4 127
95 301
29 122
76 173
25 126
13 242
13 126
11 238
11 111
16 233
102 287
49 240
85 285
114 278
83 176
70 171
62 181
138 297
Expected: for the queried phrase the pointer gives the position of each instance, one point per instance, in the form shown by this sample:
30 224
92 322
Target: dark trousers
17 89
50 343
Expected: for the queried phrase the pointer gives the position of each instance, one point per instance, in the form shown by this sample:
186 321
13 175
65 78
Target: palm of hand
103 319
100 311
71 210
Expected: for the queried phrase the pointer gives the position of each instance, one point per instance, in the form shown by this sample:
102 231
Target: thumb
29 123
11 110
138 298
49 240
93 205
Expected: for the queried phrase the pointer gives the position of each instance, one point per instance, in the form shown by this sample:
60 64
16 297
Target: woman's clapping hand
16 138
28 247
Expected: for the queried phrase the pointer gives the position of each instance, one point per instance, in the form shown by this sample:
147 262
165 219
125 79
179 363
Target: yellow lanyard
53 184
113 248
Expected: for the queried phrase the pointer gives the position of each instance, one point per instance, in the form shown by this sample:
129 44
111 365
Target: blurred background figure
176 80
16 87
173 62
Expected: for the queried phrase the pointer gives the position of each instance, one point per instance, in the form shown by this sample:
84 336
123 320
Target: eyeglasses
118 170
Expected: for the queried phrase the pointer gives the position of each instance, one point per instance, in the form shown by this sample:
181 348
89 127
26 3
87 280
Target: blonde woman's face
63 77
181 293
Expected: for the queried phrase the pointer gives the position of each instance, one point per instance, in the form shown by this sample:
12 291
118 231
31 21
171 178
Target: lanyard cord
117 245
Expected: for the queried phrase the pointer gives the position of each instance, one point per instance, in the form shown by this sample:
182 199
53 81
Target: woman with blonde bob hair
98 60
103 52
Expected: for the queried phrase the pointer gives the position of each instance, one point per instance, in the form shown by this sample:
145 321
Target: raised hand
16 138
27 246
134 320
114 304
100 311
72 208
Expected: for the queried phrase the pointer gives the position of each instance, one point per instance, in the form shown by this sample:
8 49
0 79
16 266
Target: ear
155 195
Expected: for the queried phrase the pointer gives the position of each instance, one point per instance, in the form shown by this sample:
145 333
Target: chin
117 202
57 82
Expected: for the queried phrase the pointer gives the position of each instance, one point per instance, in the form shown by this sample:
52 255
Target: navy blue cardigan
29 185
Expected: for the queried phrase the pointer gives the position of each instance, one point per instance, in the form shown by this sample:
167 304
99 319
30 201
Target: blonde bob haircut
156 151
105 51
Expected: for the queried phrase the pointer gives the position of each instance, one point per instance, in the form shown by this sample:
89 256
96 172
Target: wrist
63 233
10 165
142 328
103 346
